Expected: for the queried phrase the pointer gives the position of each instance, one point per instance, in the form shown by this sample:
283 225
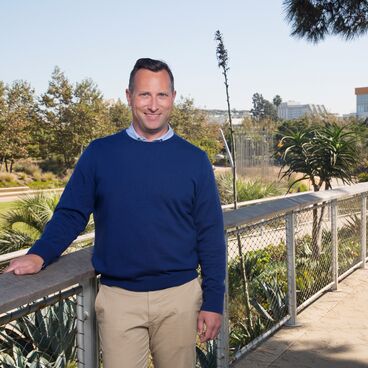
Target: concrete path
333 333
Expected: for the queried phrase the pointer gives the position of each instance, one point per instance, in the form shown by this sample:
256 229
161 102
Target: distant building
362 102
221 116
348 116
293 110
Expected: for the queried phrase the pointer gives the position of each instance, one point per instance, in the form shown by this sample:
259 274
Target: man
157 216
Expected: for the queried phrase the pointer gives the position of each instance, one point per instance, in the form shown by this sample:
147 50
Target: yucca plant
25 222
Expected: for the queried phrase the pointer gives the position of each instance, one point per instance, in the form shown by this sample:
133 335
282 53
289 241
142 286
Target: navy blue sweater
157 215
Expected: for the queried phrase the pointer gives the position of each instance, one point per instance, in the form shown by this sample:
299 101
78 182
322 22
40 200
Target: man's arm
211 252
68 221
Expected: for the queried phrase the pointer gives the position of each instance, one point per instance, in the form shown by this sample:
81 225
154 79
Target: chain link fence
349 229
313 251
257 281
260 256
254 154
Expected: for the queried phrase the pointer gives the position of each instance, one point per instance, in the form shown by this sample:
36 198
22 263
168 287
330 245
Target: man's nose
153 105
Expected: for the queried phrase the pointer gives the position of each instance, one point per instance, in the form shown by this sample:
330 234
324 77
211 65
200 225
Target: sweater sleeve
208 219
72 212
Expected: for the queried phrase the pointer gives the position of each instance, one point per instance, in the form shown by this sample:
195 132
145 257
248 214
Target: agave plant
274 304
241 334
17 359
25 222
47 336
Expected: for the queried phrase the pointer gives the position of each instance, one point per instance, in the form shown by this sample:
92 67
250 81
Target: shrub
55 165
22 176
247 189
48 176
28 167
298 187
6 177
363 177
37 175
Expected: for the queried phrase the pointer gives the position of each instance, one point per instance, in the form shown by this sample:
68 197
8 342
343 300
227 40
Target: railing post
87 341
363 229
291 270
335 248
223 338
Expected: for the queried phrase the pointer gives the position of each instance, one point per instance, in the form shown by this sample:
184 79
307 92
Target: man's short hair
153 66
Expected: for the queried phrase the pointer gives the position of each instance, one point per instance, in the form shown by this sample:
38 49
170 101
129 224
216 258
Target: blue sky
102 39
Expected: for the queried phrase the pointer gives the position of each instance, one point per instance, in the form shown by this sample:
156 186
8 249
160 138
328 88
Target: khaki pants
164 322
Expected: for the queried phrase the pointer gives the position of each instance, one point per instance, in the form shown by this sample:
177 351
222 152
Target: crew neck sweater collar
133 134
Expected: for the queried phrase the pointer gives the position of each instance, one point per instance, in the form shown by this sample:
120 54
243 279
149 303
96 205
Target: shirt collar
133 134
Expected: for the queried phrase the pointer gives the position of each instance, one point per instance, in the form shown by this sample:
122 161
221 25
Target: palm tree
25 222
319 154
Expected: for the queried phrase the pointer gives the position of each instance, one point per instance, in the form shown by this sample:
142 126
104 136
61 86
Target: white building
293 110
362 102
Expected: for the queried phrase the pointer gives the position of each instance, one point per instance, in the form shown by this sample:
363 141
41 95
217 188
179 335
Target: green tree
192 124
277 101
56 109
17 114
72 116
319 154
120 115
262 108
315 19
90 114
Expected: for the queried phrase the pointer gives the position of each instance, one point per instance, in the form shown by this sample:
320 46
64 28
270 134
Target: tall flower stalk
222 60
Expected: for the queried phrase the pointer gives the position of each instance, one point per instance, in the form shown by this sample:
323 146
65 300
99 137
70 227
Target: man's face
151 102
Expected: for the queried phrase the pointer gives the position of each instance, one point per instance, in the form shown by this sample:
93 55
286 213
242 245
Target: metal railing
282 255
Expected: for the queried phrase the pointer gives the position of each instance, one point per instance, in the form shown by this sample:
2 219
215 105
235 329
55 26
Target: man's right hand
25 265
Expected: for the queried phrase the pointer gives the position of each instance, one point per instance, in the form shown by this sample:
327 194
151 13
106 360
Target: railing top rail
267 210
69 270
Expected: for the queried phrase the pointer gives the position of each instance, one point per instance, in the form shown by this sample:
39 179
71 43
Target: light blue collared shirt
133 134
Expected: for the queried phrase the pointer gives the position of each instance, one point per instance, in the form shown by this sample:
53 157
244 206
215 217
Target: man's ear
128 96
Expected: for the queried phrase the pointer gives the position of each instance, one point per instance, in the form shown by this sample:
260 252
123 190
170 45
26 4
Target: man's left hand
208 325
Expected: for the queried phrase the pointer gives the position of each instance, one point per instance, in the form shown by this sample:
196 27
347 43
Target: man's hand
25 265
208 325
